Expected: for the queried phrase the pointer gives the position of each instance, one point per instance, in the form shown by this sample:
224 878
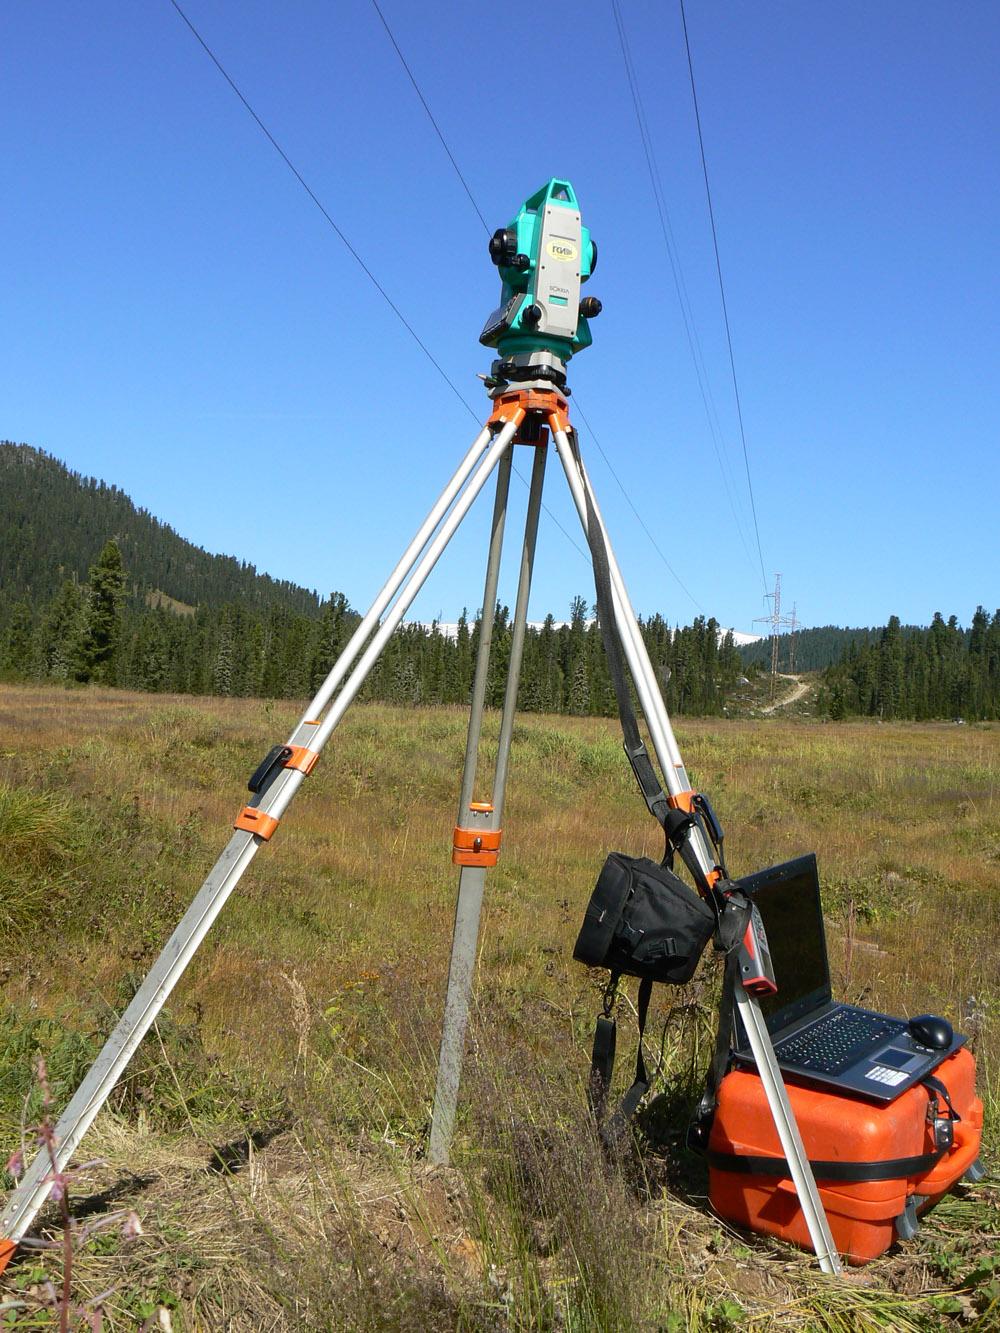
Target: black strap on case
893 1168
896 1168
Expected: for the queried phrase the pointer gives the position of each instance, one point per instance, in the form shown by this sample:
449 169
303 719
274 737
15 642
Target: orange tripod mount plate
517 404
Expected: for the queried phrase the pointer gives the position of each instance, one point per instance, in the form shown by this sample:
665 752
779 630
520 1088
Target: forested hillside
814 648
54 523
94 589
90 587
94 632
902 672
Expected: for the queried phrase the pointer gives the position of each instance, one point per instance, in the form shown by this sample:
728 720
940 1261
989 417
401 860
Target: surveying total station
545 255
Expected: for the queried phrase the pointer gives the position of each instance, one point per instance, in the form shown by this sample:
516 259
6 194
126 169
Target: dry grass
311 1017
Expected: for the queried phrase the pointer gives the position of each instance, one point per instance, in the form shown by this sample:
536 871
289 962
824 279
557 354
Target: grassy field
270 1135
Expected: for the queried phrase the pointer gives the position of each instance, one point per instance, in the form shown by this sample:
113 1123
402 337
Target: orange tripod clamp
300 757
252 820
476 846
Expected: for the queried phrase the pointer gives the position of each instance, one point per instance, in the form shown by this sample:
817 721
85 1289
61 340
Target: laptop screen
788 899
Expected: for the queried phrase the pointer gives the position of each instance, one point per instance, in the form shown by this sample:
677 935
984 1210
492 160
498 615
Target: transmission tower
793 641
776 620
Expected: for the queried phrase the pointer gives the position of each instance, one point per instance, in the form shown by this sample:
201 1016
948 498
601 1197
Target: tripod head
544 256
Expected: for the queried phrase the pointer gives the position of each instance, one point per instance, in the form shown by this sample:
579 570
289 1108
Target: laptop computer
815 1038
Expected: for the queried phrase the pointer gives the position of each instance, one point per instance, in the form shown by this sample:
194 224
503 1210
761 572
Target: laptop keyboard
837 1040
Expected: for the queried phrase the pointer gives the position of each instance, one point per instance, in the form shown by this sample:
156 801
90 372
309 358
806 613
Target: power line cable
301 180
642 524
430 115
350 248
722 293
579 410
670 245
680 286
666 227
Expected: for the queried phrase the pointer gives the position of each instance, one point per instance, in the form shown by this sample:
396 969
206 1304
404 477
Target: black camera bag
642 921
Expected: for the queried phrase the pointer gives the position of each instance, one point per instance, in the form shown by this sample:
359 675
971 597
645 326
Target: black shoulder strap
602 1059
603 1063
627 1107
672 821
675 823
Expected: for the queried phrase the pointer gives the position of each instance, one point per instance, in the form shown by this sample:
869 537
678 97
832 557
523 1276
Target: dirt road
796 694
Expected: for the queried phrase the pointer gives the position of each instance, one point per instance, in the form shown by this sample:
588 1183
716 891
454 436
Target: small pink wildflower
15 1163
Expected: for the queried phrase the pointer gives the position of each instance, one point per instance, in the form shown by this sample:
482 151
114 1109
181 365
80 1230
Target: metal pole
393 583
788 1132
36 1184
487 619
517 636
472 879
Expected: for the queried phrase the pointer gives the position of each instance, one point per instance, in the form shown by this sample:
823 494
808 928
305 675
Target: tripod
526 413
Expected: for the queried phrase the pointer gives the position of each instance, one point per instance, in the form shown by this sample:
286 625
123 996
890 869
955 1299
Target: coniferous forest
810 649
903 672
96 631
94 589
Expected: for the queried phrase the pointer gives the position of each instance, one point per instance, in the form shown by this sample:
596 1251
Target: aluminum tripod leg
472 878
487 619
517 635
36 1184
788 1132
660 731
395 580
675 776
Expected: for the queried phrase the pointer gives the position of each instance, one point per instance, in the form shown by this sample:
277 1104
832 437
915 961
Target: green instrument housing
543 255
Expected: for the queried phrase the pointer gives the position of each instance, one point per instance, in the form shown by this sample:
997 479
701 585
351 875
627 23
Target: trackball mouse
931 1031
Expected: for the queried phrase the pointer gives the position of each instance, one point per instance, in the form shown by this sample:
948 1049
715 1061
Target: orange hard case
839 1127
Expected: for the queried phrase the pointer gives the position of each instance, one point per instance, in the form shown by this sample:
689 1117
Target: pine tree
579 687
889 684
224 664
333 633
463 659
15 658
103 618
60 653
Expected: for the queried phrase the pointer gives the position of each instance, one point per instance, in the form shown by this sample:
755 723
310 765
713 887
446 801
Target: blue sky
180 320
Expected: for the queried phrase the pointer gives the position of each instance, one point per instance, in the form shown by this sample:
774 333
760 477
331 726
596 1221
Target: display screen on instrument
500 319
